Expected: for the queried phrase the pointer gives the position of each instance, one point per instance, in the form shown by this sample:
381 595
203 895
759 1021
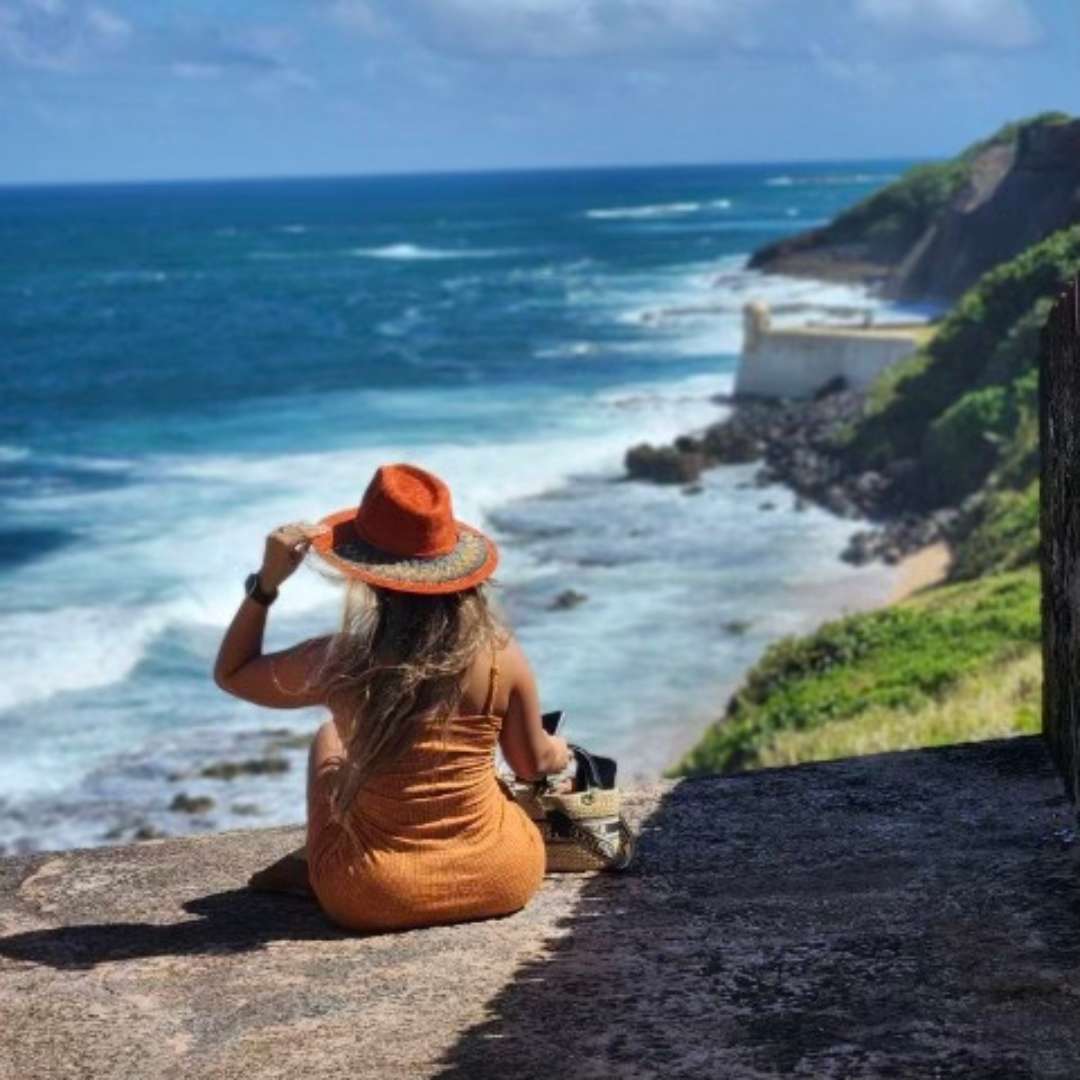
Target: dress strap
493 686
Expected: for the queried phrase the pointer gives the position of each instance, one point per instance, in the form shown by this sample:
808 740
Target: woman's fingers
299 530
286 547
296 537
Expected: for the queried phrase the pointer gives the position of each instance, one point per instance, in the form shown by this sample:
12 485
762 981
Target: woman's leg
289 874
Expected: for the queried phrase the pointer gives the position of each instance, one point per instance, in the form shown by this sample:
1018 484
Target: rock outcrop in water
937 229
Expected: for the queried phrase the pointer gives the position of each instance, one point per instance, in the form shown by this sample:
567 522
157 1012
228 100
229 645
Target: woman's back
433 836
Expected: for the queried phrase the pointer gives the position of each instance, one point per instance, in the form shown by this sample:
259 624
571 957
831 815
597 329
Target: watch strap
253 588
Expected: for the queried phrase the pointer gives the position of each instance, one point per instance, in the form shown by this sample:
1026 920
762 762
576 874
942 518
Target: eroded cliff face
1008 194
1013 200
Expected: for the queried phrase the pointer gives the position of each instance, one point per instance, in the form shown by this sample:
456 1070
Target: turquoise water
186 366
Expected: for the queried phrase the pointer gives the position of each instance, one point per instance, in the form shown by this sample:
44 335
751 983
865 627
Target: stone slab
908 915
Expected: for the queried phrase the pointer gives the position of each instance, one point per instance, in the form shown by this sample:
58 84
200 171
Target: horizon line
500 170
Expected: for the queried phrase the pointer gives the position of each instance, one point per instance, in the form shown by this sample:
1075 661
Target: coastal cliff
941 226
943 446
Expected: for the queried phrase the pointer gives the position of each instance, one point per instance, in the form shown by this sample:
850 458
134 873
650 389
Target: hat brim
472 560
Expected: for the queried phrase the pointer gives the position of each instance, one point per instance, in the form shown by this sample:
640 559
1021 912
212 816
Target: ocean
186 366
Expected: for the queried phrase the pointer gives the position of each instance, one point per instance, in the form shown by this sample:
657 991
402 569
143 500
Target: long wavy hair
397 664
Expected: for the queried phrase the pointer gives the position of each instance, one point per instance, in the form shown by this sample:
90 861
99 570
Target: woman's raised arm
281 680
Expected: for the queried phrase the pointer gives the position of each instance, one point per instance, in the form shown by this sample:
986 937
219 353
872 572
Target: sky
96 90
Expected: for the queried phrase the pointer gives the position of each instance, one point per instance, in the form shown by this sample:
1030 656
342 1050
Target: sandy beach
921 570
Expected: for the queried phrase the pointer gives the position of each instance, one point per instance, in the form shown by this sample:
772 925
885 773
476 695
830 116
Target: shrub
894 659
989 339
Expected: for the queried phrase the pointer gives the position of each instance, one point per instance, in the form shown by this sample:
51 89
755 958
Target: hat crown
406 511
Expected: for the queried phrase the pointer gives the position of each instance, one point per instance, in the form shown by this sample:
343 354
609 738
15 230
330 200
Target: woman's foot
289 875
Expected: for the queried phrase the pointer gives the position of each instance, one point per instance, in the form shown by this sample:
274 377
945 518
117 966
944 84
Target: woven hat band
407 512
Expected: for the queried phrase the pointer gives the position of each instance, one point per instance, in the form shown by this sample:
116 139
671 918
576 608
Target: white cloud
70 37
556 29
256 54
960 24
60 35
569 29
860 72
108 24
360 15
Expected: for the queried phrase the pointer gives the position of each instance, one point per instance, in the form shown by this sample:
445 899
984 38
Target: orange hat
404 537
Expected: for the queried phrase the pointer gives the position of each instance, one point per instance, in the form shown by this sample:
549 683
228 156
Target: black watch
253 588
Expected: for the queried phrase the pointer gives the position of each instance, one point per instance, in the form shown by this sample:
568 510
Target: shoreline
921 570
861 590
788 442
917 572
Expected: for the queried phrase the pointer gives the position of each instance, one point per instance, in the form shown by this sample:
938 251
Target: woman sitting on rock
407 822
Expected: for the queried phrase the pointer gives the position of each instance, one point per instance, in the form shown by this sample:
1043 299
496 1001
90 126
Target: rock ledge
906 915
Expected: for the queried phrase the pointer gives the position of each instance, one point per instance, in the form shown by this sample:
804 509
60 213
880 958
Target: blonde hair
397 664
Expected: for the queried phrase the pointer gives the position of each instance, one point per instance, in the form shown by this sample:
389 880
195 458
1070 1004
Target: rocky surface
795 443
910 915
1015 193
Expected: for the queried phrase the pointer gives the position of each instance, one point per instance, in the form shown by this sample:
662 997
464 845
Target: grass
993 702
892 668
961 661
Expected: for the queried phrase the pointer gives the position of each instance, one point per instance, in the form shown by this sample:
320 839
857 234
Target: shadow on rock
911 914
239 920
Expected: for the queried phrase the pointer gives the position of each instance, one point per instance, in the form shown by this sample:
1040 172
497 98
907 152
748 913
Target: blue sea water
185 366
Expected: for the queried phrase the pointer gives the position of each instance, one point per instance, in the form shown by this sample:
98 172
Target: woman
408 824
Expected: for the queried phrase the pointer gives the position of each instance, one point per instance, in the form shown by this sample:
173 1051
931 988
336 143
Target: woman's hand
285 551
563 755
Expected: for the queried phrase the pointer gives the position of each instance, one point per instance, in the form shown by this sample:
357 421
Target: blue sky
133 89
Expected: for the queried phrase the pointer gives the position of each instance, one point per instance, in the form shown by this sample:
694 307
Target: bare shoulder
508 654
513 664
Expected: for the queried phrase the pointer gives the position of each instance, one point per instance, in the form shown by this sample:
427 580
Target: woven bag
582 829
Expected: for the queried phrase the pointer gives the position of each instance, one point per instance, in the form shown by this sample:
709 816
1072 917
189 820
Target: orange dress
436 836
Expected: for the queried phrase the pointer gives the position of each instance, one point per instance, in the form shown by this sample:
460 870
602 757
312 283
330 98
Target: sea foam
417 251
631 212
520 370
829 180
170 550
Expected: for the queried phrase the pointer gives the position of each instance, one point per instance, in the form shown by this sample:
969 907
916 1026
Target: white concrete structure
795 362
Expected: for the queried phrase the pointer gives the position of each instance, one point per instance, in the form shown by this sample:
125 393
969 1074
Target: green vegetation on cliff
881 678
956 424
966 403
963 412
941 226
